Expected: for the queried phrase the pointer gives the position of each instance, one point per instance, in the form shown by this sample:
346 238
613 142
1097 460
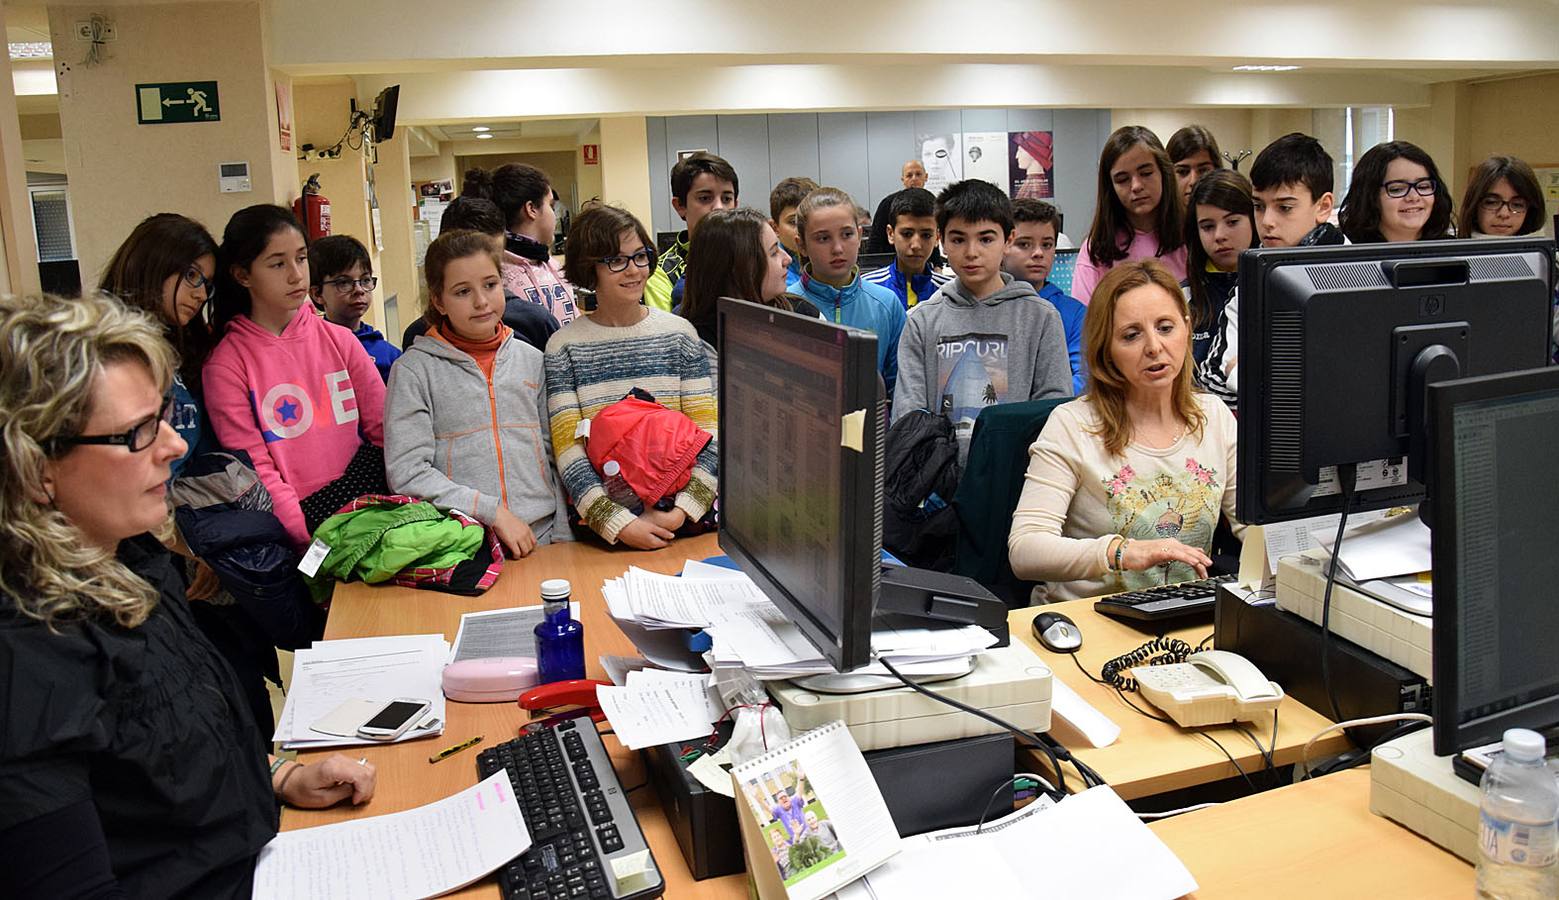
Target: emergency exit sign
178 101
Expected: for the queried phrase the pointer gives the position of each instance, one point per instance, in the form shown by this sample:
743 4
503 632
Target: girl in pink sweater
1138 213
525 197
298 394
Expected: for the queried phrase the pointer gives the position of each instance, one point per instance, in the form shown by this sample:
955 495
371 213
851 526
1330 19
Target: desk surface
1151 757
1312 839
1148 758
406 778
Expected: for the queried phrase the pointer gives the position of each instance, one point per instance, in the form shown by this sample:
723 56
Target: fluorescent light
480 128
31 50
1265 68
484 137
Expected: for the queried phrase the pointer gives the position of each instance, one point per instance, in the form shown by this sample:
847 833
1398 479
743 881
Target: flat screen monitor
1337 343
801 431
1496 511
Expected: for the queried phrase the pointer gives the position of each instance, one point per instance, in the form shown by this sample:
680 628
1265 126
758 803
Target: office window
51 223
1348 133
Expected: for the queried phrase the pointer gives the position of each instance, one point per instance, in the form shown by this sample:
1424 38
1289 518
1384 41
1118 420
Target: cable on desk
1090 777
1251 784
1265 754
1304 754
1012 783
1157 652
1203 642
1347 475
1022 735
1091 676
1148 817
1354 759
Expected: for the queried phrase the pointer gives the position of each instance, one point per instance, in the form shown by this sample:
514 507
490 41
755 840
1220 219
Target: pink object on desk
496 680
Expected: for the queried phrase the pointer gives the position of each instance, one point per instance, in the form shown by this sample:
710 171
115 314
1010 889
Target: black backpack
920 464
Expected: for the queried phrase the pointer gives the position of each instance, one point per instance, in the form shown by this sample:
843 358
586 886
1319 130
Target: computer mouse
1057 633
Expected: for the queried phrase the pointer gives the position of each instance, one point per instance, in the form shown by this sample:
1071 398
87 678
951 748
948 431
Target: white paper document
501 632
421 852
671 602
331 673
656 712
1286 539
1083 840
1386 548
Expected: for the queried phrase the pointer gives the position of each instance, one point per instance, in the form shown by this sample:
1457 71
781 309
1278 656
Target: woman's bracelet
277 763
290 772
1120 551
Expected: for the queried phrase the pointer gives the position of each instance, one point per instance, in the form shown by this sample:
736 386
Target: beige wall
589 176
1232 127
398 260
119 171
18 246
625 173
436 168
1516 117
558 164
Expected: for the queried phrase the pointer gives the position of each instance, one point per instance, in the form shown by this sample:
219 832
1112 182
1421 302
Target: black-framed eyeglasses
194 278
1425 187
619 263
1493 203
345 285
135 439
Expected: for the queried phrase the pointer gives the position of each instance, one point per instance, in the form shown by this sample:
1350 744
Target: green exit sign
178 101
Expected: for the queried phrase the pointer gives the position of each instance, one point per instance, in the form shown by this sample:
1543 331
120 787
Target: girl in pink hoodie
525 197
298 394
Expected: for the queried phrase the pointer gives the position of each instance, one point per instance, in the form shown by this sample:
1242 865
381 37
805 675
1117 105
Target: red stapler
549 699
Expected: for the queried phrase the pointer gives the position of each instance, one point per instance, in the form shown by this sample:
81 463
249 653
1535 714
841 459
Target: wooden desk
1151 757
1312 839
406 778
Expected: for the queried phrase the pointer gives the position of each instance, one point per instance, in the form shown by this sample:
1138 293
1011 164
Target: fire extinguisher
313 209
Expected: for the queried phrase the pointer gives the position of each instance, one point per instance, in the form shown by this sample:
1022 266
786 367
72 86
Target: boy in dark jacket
341 283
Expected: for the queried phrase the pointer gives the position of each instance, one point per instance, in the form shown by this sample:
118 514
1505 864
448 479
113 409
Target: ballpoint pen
451 751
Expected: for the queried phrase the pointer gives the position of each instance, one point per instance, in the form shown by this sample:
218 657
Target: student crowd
132 754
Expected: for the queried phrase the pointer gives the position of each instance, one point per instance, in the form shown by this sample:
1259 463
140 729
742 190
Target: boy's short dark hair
1036 211
1294 158
973 200
333 255
914 202
789 192
687 170
597 234
473 214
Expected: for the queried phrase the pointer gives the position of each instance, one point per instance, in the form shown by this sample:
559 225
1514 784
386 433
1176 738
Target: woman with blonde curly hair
127 761
1126 483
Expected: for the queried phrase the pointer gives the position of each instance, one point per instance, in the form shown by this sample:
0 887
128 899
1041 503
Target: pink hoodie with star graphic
299 403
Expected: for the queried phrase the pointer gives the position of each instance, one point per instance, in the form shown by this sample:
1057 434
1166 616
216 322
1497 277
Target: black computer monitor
1337 343
1496 511
801 470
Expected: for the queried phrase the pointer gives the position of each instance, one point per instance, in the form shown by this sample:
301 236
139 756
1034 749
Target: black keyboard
577 813
1170 601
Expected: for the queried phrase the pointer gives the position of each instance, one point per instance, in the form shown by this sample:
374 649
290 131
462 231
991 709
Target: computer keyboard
578 815
1170 601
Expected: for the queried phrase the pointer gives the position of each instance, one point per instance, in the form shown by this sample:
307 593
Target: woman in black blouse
126 750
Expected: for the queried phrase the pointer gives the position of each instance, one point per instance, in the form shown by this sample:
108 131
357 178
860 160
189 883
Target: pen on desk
451 751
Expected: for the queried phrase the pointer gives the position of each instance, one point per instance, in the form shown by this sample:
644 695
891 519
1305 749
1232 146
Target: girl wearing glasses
1396 195
1138 211
1503 199
597 359
129 764
524 195
299 395
465 421
166 267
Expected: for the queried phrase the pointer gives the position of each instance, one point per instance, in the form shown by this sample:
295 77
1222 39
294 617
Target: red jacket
654 445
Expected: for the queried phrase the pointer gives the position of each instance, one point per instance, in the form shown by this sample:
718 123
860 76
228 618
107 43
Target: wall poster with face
1031 164
985 156
942 155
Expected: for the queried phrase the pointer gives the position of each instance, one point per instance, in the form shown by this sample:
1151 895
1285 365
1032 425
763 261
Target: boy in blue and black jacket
1029 258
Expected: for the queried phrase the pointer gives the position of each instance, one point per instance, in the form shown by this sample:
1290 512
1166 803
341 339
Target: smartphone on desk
1210 688
392 721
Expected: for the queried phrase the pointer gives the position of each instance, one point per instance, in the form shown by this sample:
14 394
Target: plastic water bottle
560 639
618 488
1518 828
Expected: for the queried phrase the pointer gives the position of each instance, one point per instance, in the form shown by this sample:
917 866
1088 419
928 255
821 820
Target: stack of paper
750 632
1385 548
655 707
366 671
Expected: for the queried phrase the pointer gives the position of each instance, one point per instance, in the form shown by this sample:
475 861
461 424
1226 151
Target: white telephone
1209 688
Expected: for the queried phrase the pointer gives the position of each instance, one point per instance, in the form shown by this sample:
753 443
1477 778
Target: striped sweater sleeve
580 479
699 404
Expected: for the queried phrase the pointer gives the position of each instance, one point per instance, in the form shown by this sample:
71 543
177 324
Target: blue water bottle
560 641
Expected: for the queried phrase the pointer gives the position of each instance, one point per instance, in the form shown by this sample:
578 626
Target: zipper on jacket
492 405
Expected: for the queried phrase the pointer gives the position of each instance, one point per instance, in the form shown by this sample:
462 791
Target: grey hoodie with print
958 355
441 443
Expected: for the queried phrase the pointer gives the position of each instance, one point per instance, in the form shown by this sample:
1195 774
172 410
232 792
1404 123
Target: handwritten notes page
421 852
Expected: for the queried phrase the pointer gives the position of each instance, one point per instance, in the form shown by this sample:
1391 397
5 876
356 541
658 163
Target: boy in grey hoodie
984 337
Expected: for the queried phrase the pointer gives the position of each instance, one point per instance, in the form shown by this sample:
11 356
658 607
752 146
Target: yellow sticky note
852 431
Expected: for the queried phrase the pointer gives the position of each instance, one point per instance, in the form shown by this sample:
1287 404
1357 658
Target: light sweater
299 403
471 435
1076 499
1144 245
539 282
590 367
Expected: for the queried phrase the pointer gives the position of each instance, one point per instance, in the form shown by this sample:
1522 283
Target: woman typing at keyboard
1125 484
130 764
